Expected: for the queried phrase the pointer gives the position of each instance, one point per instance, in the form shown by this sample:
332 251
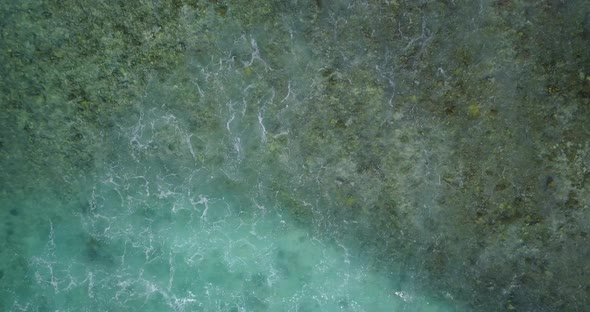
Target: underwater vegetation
447 137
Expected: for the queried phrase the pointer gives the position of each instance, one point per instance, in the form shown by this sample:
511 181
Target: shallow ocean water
346 155
153 234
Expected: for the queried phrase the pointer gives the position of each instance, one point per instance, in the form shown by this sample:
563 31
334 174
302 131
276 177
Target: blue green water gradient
155 234
294 155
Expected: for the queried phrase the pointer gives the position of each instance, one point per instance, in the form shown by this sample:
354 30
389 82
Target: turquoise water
320 155
156 229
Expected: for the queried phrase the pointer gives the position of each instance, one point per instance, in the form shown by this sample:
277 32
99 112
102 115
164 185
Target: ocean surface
342 155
